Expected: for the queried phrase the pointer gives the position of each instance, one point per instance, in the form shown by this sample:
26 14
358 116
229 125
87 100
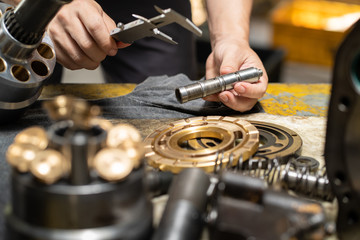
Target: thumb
110 24
229 63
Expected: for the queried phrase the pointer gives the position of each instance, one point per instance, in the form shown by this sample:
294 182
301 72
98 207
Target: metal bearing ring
277 142
199 141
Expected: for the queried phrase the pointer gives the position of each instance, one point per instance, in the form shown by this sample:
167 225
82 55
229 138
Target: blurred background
296 39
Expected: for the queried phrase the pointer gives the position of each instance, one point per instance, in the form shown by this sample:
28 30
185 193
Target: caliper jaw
143 27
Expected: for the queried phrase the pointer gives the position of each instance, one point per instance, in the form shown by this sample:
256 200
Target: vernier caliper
143 27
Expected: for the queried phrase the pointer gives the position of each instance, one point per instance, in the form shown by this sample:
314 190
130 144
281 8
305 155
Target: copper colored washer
171 147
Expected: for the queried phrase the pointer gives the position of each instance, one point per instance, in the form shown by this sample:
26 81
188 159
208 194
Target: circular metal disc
200 142
277 142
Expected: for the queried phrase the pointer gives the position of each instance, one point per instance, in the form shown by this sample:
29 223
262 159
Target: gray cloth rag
155 99
152 99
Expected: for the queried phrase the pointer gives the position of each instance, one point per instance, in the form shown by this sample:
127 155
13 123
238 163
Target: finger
228 65
212 98
110 26
97 27
74 58
239 103
211 67
251 90
86 43
67 51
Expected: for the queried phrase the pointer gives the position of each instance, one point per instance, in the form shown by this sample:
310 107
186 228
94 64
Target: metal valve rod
218 84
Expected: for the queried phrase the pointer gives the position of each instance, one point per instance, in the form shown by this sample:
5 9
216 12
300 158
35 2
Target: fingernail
113 52
241 89
224 98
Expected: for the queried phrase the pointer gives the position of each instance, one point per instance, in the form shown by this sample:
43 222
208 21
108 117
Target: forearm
229 18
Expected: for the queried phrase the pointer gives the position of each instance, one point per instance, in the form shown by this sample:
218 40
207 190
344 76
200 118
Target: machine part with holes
342 146
178 145
78 187
27 54
244 208
276 141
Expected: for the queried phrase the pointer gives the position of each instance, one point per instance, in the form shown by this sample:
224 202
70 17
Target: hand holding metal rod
218 84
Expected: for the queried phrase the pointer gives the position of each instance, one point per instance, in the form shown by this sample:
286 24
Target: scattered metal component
302 181
113 164
80 112
48 166
77 185
307 163
183 217
35 135
244 208
143 27
218 84
27 56
123 134
158 182
128 139
277 142
172 147
342 146
20 156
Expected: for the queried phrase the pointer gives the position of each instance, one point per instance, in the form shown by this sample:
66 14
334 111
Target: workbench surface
280 99
299 107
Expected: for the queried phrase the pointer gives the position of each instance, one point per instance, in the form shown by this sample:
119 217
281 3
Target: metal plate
277 142
198 141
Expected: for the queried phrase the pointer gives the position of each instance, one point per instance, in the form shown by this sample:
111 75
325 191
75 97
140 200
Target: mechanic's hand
230 55
81 35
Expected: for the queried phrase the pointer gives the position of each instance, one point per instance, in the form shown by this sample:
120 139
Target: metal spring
302 181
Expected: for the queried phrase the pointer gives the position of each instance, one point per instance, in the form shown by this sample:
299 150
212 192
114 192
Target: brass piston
198 142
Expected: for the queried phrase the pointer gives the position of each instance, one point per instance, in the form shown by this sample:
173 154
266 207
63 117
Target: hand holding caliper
143 27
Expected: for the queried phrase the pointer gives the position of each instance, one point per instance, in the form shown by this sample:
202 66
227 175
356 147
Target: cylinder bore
20 73
2 65
40 68
45 51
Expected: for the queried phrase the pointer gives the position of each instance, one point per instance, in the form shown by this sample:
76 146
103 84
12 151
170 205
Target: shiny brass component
127 138
103 123
20 156
48 166
34 136
113 164
198 142
277 142
71 108
123 134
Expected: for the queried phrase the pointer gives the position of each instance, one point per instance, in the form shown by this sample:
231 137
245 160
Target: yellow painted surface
297 99
87 91
311 30
280 99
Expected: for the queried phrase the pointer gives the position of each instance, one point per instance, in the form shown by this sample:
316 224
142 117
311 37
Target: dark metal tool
218 84
27 54
143 27
342 146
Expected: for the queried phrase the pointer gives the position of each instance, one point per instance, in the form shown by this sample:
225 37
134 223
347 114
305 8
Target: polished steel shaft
218 84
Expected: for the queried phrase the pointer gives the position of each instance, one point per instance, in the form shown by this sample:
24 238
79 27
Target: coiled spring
303 180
